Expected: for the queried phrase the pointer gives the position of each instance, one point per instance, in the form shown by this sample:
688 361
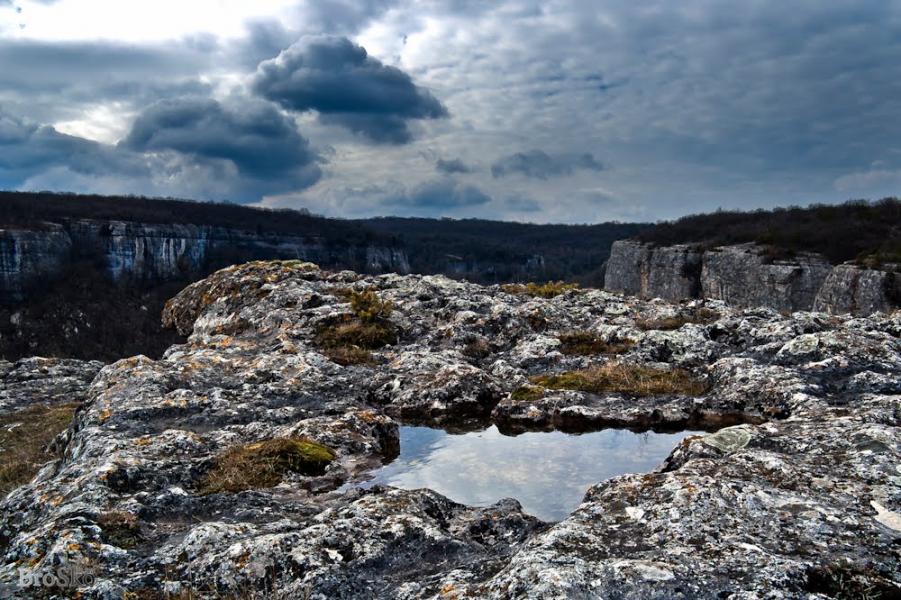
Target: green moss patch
24 436
625 379
264 464
527 393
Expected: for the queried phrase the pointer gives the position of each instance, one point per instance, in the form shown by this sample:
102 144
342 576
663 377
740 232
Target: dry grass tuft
120 528
542 290
263 464
24 435
349 341
700 316
587 343
625 379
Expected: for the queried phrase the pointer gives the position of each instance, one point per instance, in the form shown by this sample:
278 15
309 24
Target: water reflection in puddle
547 472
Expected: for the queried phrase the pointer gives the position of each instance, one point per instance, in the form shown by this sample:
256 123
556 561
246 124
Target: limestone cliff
745 275
154 252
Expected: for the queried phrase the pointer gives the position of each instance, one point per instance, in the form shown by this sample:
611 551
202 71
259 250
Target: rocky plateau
795 492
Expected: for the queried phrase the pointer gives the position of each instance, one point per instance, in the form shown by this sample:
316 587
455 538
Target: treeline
31 209
496 251
867 232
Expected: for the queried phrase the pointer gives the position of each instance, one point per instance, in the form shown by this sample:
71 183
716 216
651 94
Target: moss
264 464
542 290
527 393
24 436
120 529
587 343
626 379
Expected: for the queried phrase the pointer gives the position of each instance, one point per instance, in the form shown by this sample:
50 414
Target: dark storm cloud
28 149
437 196
540 165
347 87
30 64
451 166
262 143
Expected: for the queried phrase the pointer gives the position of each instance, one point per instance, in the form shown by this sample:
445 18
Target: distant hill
868 232
30 209
496 251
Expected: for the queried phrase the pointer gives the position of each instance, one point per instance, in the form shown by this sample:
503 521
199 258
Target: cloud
454 165
540 165
339 80
437 196
260 142
27 149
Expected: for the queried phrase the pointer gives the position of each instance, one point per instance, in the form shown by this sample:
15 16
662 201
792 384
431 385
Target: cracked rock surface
799 496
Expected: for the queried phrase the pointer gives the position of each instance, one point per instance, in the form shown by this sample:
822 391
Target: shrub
542 290
24 436
264 464
587 343
348 341
369 308
624 378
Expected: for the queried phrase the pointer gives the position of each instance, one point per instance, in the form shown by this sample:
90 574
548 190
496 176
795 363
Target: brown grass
24 436
120 528
699 316
542 290
349 340
587 343
626 379
263 464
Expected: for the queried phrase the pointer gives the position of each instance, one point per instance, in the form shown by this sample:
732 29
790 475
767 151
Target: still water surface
547 472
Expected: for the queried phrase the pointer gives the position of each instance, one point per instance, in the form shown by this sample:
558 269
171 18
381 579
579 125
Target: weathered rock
803 497
745 276
27 256
670 272
44 381
856 290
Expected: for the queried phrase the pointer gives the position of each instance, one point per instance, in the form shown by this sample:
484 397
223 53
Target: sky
576 111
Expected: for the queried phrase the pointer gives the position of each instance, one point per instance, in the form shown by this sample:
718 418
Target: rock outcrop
799 497
45 381
151 253
745 276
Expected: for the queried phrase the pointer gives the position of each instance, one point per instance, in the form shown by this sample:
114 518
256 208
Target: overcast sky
544 111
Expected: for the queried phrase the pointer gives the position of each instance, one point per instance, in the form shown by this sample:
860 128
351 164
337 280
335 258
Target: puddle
548 472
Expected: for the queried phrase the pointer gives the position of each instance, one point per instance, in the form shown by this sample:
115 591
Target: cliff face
743 275
155 253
